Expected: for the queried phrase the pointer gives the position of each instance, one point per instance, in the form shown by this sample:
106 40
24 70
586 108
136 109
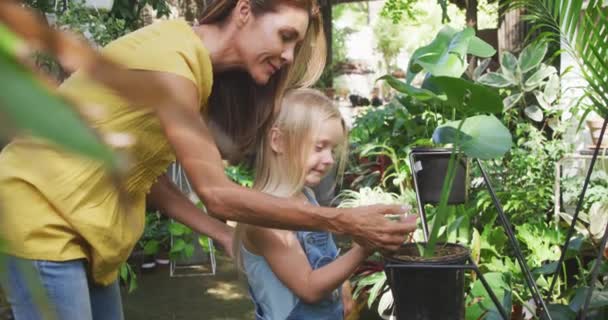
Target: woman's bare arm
197 152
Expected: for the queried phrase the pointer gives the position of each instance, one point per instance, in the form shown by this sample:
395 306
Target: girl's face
321 158
268 41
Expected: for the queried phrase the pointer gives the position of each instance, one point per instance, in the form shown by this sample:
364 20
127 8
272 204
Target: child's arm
288 261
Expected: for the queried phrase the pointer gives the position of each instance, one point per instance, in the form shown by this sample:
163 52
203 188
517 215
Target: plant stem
442 211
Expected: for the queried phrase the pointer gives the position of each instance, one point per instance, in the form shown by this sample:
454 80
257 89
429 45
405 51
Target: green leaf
205 243
500 286
374 292
548 268
510 67
480 48
483 65
178 229
552 88
484 137
561 312
534 112
599 299
178 246
124 272
475 246
496 80
419 94
188 250
512 100
151 247
444 56
467 97
532 55
537 78
26 105
540 98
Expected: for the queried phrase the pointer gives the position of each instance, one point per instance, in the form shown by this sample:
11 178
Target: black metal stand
538 300
469 266
571 229
540 303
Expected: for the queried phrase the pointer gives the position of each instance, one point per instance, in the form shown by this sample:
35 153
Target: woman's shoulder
169 46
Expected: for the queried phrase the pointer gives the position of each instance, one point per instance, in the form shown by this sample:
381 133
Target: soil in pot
427 293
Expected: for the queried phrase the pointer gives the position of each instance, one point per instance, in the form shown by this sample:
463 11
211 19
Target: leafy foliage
99 27
583 33
532 86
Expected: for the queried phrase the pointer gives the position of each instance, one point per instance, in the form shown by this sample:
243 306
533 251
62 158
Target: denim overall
320 250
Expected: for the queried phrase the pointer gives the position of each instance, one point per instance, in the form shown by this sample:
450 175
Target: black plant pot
424 292
430 166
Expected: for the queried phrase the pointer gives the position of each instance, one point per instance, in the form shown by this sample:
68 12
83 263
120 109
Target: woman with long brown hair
61 216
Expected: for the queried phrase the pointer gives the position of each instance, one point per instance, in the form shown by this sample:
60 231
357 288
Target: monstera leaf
446 54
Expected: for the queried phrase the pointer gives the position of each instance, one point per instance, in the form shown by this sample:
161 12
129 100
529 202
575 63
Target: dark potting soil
444 253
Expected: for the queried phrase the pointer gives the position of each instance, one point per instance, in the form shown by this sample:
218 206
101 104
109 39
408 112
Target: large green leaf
25 104
417 93
484 307
561 312
482 137
445 55
480 48
468 98
532 56
598 299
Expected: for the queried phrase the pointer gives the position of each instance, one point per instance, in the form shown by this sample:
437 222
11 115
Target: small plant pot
425 292
430 166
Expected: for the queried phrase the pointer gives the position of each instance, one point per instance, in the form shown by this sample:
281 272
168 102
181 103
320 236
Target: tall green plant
472 131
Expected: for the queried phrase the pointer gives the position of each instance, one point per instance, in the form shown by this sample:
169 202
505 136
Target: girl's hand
347 298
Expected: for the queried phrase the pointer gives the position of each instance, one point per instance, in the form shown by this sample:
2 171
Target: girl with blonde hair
298 275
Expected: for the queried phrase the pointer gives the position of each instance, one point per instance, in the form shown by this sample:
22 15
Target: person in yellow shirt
61 216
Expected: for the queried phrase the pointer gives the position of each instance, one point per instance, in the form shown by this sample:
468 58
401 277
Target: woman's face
267 41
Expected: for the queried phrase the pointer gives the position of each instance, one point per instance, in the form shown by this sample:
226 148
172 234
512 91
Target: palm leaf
582 28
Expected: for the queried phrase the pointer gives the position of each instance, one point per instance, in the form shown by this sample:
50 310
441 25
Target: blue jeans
69 293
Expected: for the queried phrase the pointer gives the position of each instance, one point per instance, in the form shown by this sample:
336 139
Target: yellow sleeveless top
57 205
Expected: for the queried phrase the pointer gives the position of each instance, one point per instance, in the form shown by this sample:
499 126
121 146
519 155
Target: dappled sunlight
226 291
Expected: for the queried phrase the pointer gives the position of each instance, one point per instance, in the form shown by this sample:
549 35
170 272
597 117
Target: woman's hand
369 226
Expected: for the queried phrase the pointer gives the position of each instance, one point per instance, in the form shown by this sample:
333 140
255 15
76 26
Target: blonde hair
236 99
298 122
302 112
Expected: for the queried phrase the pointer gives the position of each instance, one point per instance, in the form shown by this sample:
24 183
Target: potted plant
423 288
370 289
